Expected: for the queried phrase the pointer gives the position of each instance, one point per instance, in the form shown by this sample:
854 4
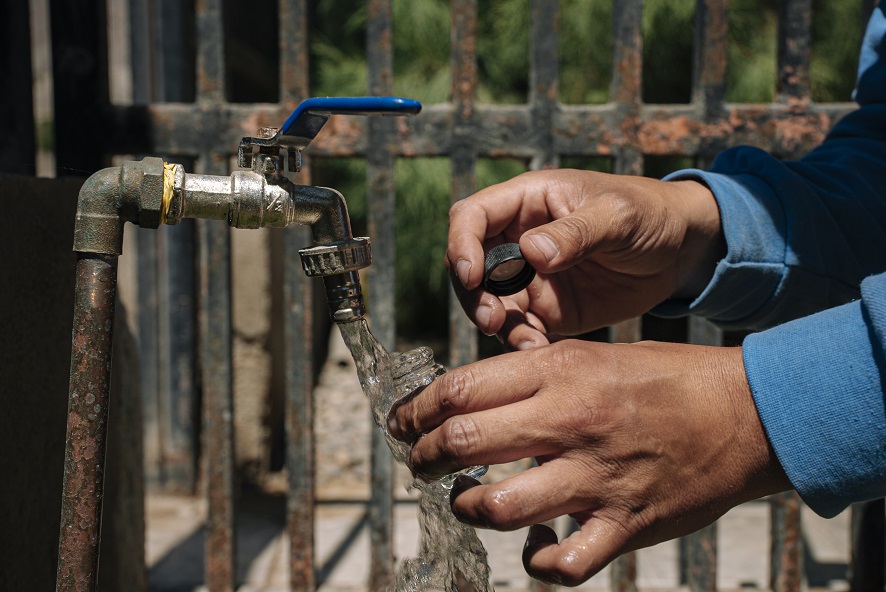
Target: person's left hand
639 443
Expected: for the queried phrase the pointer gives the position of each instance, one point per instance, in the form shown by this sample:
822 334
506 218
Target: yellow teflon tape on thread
168 189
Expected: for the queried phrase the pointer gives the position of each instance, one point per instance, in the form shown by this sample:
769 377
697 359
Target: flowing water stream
450 556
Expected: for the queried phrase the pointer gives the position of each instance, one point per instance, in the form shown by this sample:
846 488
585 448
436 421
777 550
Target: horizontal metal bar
501 131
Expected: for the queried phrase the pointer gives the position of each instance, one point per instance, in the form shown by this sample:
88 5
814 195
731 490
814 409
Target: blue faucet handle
308 118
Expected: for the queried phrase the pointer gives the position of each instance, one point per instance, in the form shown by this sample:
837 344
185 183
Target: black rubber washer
505 271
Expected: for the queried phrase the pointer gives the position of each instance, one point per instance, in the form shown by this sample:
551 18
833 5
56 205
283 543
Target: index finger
488 213
483 385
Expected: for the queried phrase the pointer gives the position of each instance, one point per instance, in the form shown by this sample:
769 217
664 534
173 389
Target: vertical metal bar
626 92
298 325
140 26
627 83
463 62
794 52
623 576
701 546
210 51
177 361
786 557
18 149
710 55
215 324
86 441
544 87
866 565
381 199
544 80
218 437
148 355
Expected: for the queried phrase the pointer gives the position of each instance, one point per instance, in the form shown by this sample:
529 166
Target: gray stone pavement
174 548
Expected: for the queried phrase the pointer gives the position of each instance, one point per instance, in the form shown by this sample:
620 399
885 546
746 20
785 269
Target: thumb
560 244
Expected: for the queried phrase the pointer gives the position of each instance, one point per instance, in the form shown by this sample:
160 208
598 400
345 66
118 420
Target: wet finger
487 437
577 557
529 497
475 387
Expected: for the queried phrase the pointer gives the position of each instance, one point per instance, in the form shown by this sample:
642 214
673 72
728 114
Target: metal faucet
149 193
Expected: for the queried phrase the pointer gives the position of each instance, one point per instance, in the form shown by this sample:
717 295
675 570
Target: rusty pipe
85 443
110 197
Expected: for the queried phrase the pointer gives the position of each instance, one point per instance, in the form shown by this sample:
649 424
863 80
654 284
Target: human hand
638 443
606 248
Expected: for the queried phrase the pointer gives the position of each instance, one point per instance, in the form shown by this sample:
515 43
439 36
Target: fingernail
394 426
460 484
545 244
463 269
484 316
524 345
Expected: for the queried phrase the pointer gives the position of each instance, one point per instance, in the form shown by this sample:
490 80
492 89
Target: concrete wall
36 304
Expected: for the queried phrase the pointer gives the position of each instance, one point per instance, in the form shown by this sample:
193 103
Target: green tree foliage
421 70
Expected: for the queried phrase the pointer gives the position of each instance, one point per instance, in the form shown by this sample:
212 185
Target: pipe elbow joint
132 192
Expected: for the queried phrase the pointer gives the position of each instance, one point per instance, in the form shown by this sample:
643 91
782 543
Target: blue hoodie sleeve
804 237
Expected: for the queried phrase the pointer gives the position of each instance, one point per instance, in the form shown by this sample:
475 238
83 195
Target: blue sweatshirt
806 255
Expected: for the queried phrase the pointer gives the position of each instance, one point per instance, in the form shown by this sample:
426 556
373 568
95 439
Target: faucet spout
336 255
248 199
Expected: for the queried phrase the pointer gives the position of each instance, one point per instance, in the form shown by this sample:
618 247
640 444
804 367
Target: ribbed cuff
817 387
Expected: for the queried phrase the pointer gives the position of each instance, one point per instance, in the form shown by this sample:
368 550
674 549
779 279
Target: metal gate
205 132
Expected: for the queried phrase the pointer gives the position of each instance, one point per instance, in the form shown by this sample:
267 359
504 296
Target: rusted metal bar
626 93
85 445
498 131
299 420
463 137
623 574
701 546
177 363
794 52
866 564
298 325
210 54
218 403
627 85
214 244
786 557
710 56
544 79
149 351
381 199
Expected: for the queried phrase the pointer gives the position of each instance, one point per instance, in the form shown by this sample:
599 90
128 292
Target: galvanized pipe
85 444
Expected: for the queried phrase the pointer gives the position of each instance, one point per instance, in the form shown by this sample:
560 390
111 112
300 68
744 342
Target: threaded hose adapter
335 258
338 263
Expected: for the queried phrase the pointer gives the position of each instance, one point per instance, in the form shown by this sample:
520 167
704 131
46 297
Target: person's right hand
606 248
